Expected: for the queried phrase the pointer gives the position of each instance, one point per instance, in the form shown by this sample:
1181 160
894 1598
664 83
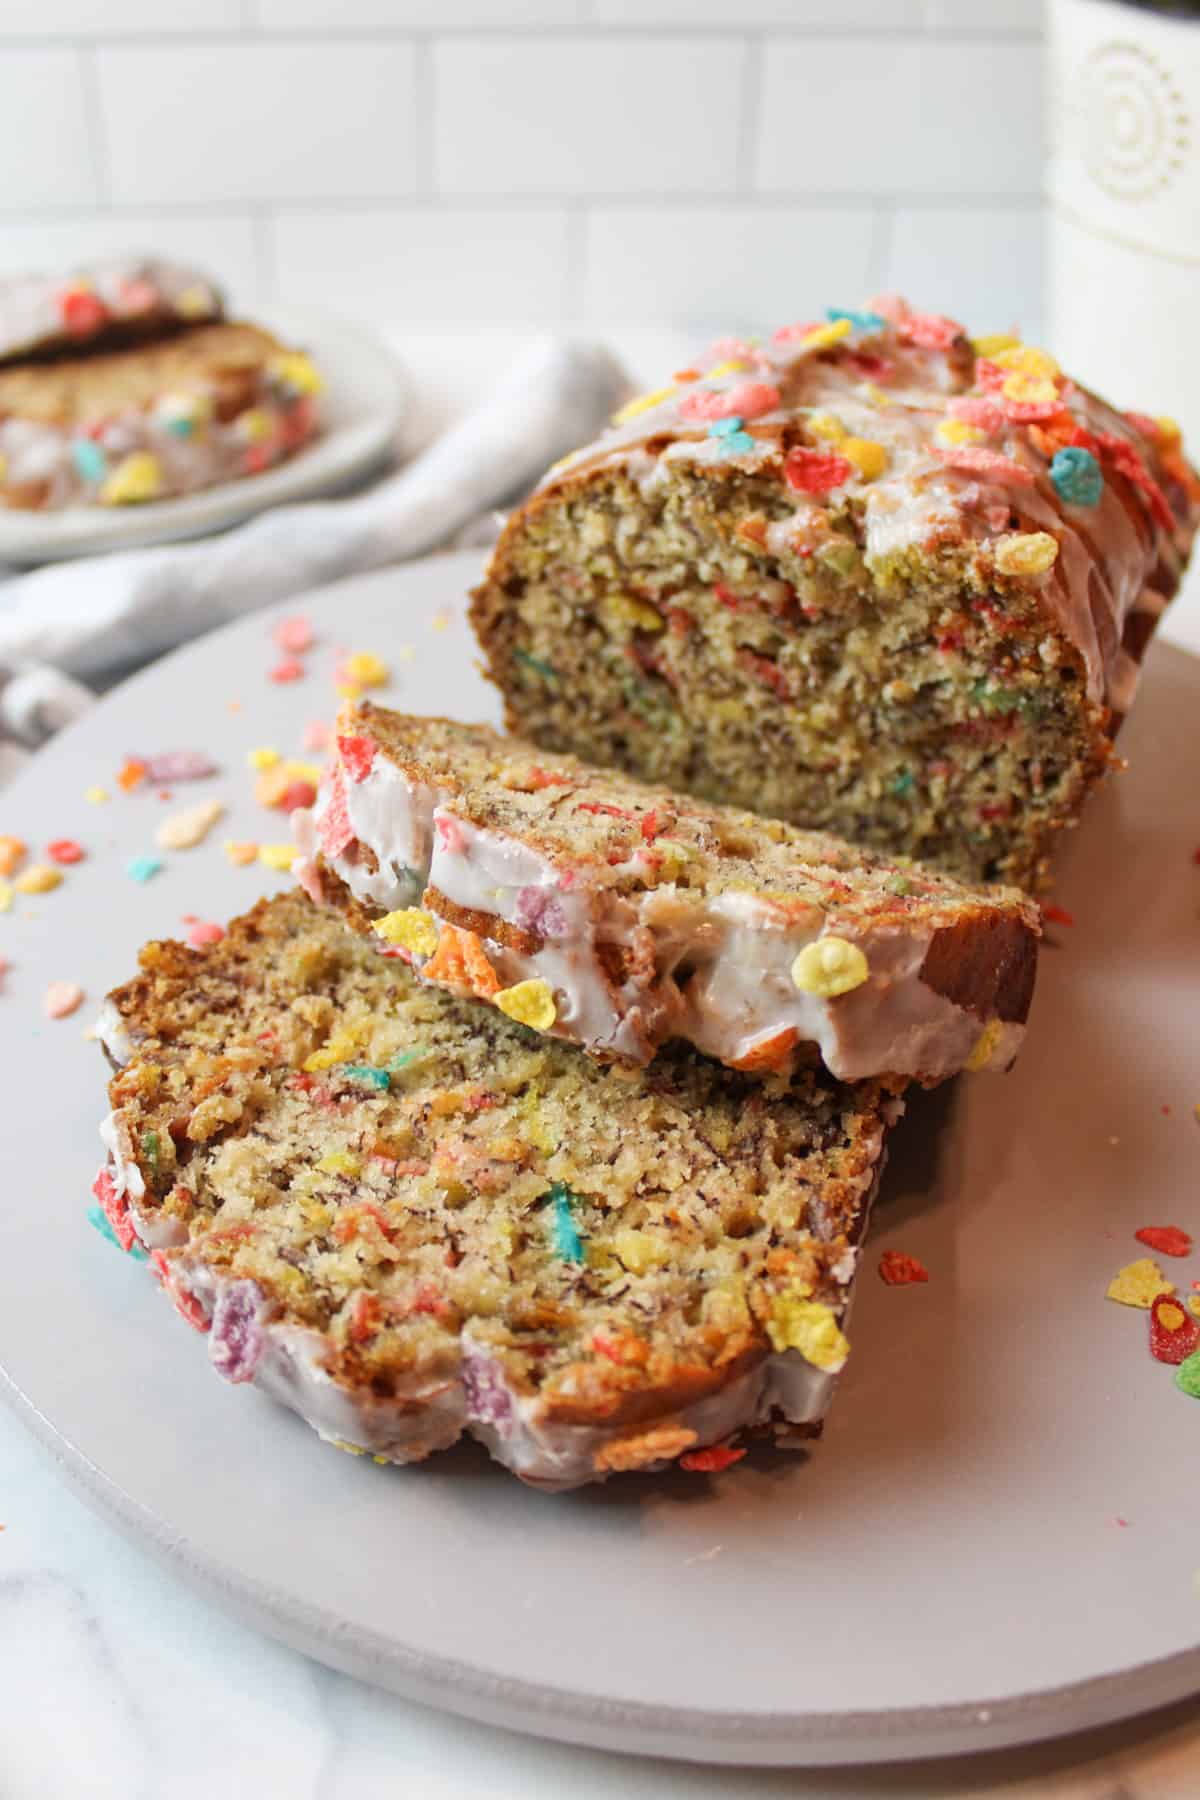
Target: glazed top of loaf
120 296
981 451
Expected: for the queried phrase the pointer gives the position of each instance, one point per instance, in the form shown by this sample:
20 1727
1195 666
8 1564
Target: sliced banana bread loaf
868 575
620 916
405 1216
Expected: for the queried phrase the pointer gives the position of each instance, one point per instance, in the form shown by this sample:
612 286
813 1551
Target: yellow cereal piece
255 425
6 897
874 394
240 854
642 403
137 477
1023 358
985 1046
1194 1304
826 425
822 336
298 371
194 302
735 366
184 830
265 757
411 928
830 966
640 1250
1139 1284
810 1327
340 1162
868 457
990 346
530 1002
639 615
1029 390
12 853
1026 553
38 878
95 796
342 1047
951 432
3 469
1170 437
278 856
366 669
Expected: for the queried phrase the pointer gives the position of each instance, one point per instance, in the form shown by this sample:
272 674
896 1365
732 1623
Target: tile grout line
751 102
424 116
93 113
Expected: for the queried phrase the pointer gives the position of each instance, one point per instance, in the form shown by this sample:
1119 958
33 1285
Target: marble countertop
117 1680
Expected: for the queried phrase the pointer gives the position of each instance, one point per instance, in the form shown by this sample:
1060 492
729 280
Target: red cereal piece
650 827
929 331
600 806
358 754
65 850
898 1269
287 670
988 463
753 398
1174 1332
1126 461
1057 915
115 1208
973 410
295 635
203 933
333 827
712 1460
816 471
81 311
1169 1240
703 405
186 1305
294 795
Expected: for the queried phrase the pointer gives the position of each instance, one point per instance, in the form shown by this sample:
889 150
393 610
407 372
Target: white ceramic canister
1124 187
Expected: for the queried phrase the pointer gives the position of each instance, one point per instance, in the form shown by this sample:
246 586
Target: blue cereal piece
91 464
1077 476
96 1219
731 439
142 868
567 1242
861 321
376 1078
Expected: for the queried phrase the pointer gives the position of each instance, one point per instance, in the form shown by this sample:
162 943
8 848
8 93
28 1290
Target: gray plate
946 1571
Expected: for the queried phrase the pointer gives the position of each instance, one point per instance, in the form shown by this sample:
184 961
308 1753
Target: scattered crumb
38 878
440 621
290 669
203 932
12 852
294 635
141 868
61 999
184 830
65 850
240 853
131 772
897 1268
6 897
1057 915
96 796
405 653
265 757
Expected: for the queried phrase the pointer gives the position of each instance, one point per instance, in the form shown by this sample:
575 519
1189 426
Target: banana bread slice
212 403
869 576
406 1216
620 916
119 300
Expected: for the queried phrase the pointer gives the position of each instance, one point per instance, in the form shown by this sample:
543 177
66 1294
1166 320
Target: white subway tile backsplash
989 20
586 115
222 246
983 265
900 116
408 15
832 15
46 158
255 121
445 265
116 18
725 267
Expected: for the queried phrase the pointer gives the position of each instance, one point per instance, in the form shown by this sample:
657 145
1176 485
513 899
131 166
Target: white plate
948 1570
365 395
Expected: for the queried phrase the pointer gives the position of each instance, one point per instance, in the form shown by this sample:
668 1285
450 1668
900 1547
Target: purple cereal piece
488 1398
178 765
538 910
237 1339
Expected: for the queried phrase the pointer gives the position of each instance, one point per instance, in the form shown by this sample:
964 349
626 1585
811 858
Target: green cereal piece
150 1150
376 1078
1187 1375
544 669
565 1233
904 782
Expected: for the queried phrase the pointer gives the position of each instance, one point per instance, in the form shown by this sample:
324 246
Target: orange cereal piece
460 961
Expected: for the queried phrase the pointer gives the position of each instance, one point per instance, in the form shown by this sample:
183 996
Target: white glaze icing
722 964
